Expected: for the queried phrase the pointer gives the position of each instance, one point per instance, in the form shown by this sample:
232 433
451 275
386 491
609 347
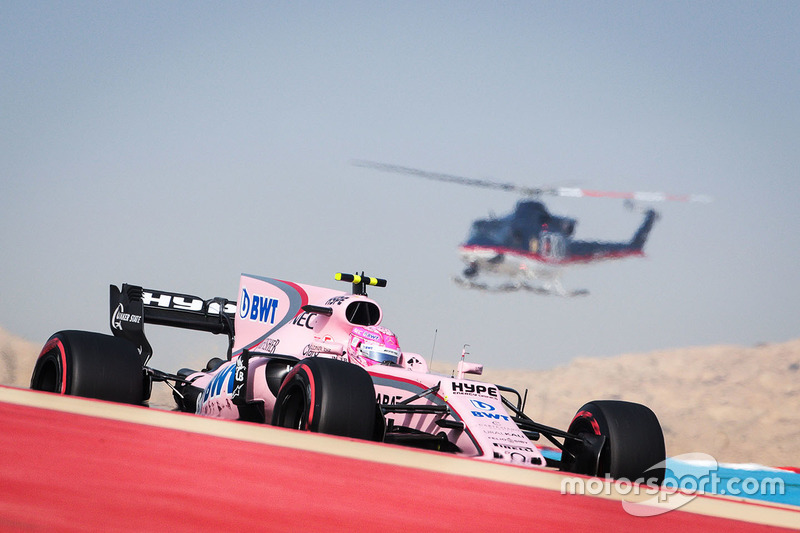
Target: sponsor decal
486 410
119 316
483 406
257 308
311 350
504 431
183 302
503 434
509 440
358 334
336 300
221 384
386 399
476 389
327 349
493 416
516 454
493 424
239 380
509 447
305 319
413 361
267 346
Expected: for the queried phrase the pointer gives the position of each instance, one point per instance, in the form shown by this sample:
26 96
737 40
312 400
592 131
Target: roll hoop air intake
360 282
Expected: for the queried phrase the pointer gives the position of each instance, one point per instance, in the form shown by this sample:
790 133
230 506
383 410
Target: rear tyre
634 442
328 396
91 365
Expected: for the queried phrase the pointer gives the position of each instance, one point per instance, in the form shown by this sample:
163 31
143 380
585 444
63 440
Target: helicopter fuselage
532 244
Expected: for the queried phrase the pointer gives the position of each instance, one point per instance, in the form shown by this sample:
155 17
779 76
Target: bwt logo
258 308
486 411
483 406
222 382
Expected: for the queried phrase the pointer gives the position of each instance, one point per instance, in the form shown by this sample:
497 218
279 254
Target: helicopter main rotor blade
636 196
461 180
570 192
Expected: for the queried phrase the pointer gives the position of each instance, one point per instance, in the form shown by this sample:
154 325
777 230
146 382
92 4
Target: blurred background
178 145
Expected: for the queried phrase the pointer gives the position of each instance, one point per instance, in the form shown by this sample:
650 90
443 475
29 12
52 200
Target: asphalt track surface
70 464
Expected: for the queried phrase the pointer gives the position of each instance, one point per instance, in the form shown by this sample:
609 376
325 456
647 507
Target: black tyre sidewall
338 398
48 373
91 365
634 439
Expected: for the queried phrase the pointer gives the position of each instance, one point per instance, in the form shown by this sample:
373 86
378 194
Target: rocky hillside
738 404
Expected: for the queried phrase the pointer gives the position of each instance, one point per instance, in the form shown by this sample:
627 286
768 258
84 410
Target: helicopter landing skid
518 286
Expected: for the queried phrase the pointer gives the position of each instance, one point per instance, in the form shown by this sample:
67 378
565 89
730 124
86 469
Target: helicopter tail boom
640 237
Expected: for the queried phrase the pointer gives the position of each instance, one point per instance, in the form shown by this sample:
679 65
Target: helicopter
529 248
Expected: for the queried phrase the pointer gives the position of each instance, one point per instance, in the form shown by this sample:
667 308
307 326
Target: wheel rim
584 425
294 410
48 377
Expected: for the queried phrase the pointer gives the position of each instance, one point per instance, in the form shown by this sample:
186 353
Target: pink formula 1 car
318 359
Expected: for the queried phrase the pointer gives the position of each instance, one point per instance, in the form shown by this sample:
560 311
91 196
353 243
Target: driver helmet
373 345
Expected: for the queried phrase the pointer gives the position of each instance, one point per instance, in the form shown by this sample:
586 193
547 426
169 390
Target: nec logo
258 308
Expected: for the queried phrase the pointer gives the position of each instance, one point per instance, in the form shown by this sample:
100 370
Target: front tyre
327 396
633 446
91 365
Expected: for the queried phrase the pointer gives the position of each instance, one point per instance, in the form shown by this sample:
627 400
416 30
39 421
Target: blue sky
176 145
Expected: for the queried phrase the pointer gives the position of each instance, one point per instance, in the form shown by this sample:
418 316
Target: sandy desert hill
738 404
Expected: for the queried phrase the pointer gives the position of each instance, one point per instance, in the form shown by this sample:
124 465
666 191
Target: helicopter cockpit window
489 232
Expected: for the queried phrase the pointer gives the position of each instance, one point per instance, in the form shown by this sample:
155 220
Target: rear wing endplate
132 306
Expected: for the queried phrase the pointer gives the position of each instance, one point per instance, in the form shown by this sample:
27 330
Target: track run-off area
74 464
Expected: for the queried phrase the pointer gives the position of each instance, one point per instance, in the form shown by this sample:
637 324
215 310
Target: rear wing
132 306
